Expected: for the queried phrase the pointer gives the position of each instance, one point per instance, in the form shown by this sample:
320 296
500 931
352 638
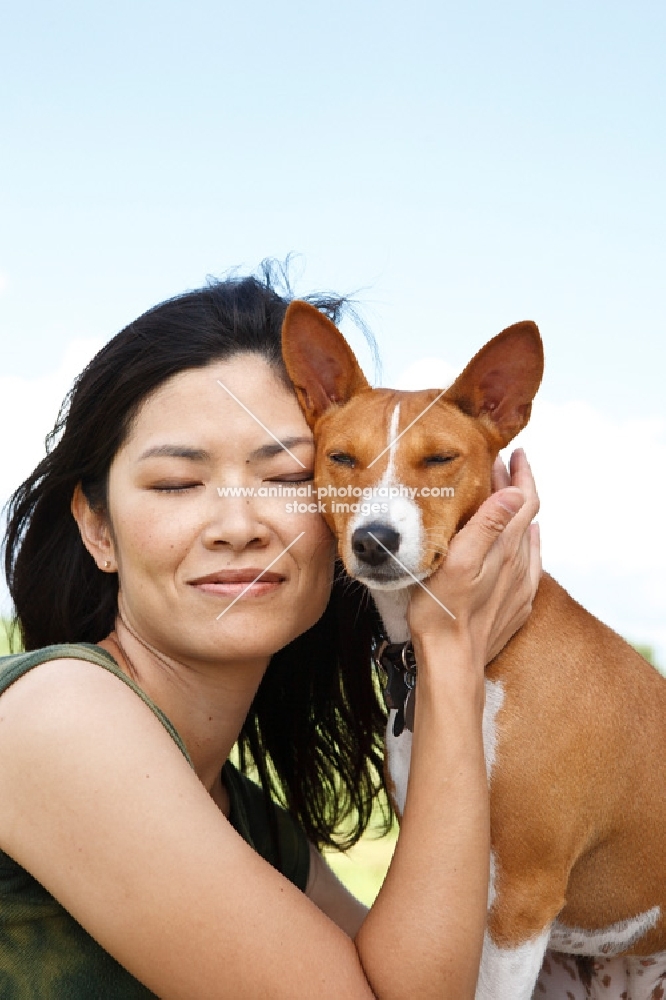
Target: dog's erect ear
501 381
319 361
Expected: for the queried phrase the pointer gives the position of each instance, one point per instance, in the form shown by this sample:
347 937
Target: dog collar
396 665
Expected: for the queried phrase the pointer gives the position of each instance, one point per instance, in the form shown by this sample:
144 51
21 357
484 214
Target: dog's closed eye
439 459
342 458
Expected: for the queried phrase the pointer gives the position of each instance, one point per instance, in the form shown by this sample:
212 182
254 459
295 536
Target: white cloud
28 409
426 373
601 481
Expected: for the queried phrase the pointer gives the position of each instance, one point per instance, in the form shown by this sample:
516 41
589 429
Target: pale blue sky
466 165
462 165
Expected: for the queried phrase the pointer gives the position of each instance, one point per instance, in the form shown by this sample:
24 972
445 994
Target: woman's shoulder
71 721
56 675
17 664
69 671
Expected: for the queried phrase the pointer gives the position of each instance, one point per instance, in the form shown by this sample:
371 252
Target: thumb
489 521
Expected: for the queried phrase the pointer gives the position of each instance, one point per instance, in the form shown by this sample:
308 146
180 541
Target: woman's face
184 552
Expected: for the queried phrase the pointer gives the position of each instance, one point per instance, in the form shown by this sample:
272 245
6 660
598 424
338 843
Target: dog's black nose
370 543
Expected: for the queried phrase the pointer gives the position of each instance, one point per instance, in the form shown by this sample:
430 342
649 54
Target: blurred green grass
363 867
4 638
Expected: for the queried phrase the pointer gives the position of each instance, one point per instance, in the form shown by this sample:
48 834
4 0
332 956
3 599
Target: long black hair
314 730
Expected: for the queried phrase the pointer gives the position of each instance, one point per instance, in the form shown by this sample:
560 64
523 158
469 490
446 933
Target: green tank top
44 953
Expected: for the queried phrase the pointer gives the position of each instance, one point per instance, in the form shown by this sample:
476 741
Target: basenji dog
575 719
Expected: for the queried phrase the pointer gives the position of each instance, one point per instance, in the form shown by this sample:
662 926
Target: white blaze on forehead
389 475
401 513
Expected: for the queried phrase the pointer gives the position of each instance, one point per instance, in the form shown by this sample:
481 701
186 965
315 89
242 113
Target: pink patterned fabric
563 977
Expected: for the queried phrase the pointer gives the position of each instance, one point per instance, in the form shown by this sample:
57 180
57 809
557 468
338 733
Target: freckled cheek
288 518
146 538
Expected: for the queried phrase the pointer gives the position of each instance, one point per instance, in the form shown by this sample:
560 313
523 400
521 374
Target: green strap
15 666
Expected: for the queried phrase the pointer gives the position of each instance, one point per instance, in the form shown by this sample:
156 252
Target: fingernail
512 499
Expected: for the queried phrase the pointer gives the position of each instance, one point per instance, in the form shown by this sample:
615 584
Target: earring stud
106 564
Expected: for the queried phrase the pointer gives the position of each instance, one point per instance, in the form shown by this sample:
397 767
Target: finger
499 476
476 538
520 471
521 476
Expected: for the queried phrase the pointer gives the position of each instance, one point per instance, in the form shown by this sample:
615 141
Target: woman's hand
491 573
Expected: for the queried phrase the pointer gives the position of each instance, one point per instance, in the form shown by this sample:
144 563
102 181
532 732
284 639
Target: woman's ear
95 531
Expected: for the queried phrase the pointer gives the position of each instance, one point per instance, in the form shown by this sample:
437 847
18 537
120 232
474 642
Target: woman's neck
207 706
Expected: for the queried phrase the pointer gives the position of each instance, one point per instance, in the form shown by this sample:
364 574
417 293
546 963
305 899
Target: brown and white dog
575 719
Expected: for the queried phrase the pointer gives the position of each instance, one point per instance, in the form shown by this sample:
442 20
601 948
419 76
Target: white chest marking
607 941
399 752
399 748
392 607
494 701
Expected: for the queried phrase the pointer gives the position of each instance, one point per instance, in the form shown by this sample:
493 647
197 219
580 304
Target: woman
128 866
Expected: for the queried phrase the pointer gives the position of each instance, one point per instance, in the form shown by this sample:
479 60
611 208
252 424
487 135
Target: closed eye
294 477
438 459
342 458
170 487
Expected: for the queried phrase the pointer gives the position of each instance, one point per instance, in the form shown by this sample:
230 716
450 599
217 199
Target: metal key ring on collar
409 668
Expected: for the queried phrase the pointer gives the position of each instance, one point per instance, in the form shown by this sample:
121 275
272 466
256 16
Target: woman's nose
234 521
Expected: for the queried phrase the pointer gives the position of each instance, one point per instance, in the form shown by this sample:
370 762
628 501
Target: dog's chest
399 748
392 606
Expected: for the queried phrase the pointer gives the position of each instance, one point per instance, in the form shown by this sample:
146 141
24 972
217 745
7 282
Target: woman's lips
233 583
257 589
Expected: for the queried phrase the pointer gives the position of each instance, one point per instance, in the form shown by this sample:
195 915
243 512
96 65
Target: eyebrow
176 451
201 455
275 447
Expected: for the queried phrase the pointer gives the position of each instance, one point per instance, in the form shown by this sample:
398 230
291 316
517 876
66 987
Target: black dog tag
399 679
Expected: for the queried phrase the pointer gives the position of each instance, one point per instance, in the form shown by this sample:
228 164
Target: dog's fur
575 720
